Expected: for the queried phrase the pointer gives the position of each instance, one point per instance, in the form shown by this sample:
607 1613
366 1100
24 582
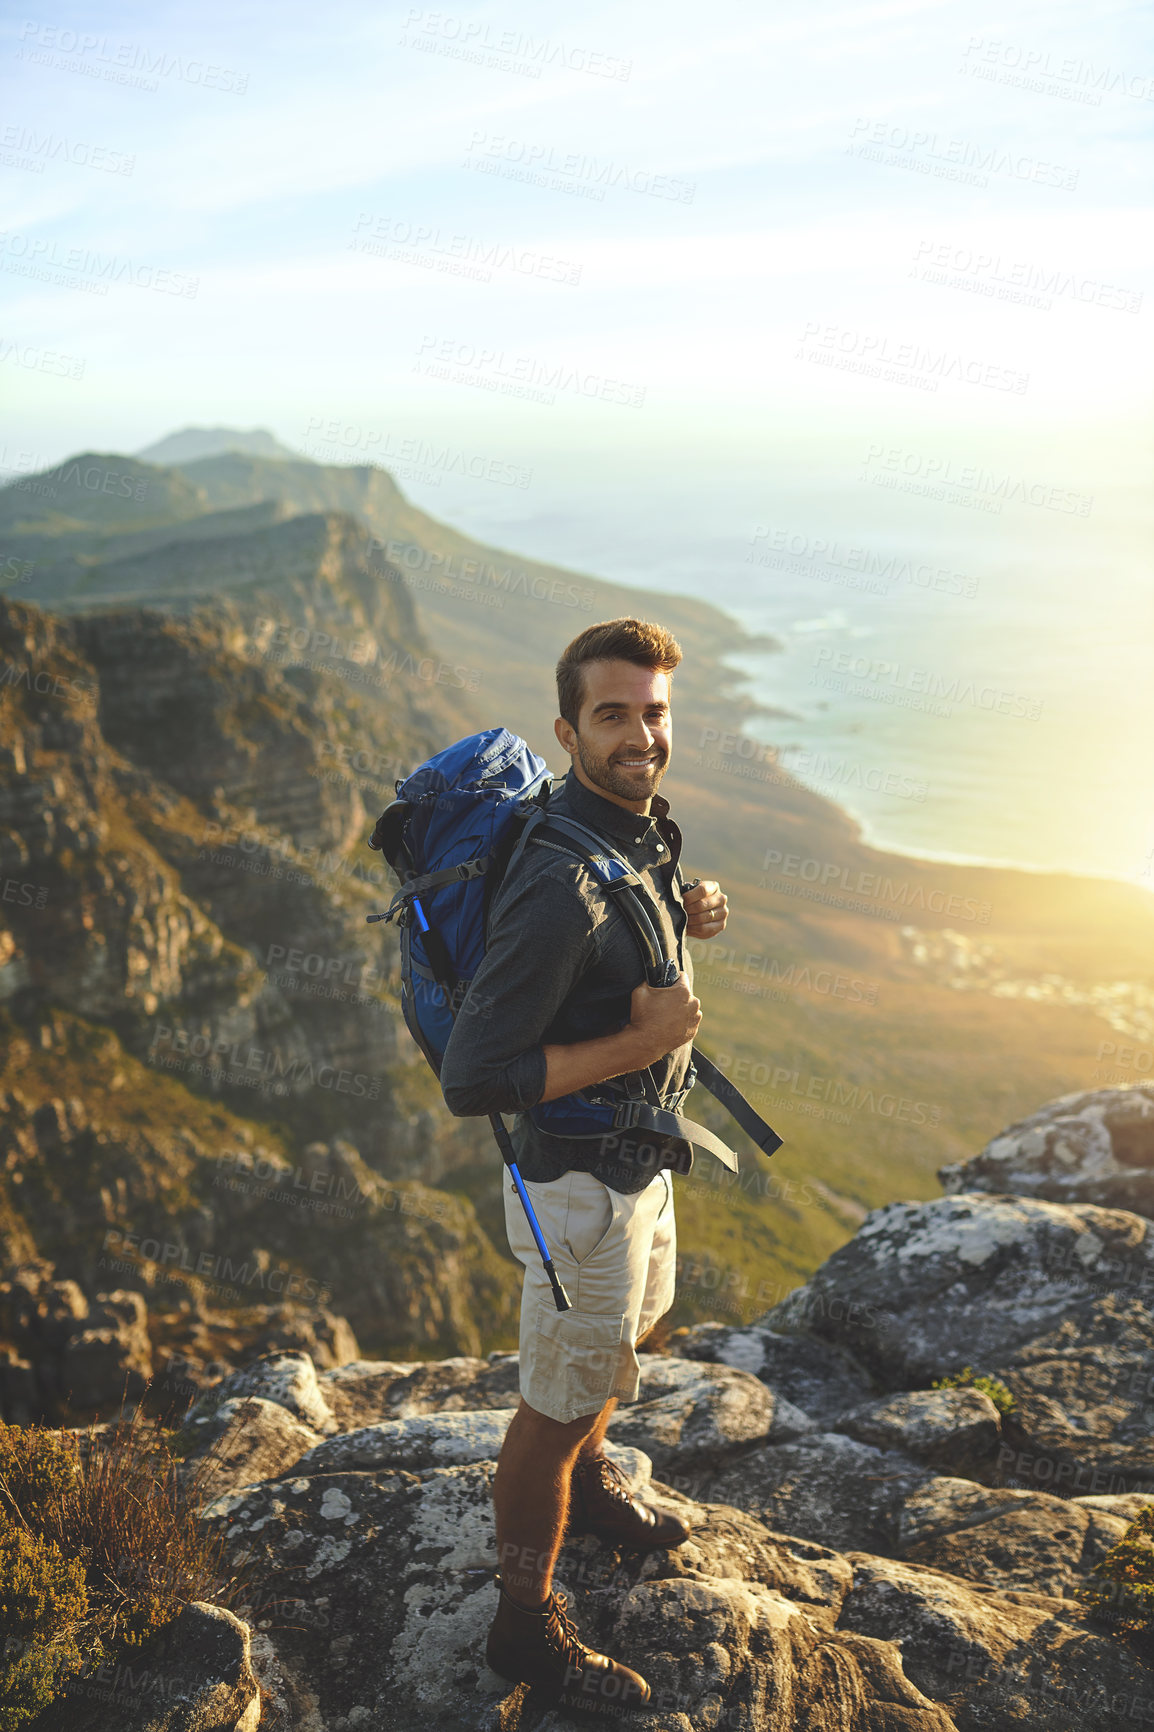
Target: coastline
873 839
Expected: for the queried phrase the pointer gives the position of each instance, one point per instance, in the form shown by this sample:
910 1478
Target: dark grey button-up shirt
559 967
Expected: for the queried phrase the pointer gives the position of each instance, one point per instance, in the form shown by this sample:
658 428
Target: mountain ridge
189 443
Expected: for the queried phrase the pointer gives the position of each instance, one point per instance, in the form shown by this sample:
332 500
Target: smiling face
624 735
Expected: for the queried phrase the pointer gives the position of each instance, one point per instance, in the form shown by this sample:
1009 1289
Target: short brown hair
618 640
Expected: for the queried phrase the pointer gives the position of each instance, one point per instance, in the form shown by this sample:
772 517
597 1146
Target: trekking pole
560 1298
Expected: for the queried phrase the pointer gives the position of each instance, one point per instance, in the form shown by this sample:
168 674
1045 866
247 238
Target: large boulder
953 1430
1027 1540
194 1675
1084 1148
1051 1298
823 1487
819 1378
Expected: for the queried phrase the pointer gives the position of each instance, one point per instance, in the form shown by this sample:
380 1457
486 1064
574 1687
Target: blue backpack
453 831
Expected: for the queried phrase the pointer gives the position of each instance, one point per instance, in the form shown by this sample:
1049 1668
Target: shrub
1120 1588
101 1543
38 1474
135 1520
968 1378
42 1602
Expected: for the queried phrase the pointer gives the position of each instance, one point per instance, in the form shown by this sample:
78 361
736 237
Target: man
568 1008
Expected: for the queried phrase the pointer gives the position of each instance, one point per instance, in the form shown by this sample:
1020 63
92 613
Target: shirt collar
602 815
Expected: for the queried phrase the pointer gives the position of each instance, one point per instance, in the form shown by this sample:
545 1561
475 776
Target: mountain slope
309 623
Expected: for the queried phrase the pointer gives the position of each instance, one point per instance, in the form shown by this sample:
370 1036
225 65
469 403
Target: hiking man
564 1011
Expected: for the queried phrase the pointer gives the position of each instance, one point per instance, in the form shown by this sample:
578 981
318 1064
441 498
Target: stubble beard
626 785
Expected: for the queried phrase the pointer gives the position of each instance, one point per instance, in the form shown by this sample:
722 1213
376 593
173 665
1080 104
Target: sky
660 281
723 213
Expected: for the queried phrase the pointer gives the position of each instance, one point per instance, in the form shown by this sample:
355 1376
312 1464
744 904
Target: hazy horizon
679 302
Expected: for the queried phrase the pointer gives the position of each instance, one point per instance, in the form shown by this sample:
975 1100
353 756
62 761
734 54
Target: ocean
966 659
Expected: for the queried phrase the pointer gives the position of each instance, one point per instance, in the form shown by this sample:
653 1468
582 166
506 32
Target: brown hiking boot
544 1650
601 1503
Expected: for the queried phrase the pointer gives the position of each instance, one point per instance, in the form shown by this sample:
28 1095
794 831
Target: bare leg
591 1445
531 1497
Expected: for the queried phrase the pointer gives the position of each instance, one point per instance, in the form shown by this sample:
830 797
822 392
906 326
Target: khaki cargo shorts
616 1257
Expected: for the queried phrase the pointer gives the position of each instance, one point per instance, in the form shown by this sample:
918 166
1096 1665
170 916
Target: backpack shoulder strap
616 874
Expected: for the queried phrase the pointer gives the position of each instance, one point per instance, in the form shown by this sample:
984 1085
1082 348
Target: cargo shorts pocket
589 1216
578 1361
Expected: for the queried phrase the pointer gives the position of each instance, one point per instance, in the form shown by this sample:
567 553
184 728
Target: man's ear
566 734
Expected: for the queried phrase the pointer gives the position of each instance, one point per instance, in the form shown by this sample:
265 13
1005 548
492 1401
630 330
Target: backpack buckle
471 869
627 1116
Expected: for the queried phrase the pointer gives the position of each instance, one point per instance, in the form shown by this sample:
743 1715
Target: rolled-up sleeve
542 940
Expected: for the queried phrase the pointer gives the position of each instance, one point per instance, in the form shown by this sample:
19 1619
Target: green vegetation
1120 1589
101 1545
42 1602
968 1378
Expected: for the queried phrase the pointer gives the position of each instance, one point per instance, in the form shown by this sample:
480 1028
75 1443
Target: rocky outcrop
1052 1299
69 1350
738 1623
1084 1148
370 1557
866 1554
185 790
111 1355
236 1247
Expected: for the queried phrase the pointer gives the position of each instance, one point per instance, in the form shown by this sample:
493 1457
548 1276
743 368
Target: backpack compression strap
459 874
621 881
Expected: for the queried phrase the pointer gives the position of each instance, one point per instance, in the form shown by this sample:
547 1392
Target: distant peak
192 443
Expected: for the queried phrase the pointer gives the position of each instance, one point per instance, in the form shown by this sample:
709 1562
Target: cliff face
213 1134
201 1071
187 793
